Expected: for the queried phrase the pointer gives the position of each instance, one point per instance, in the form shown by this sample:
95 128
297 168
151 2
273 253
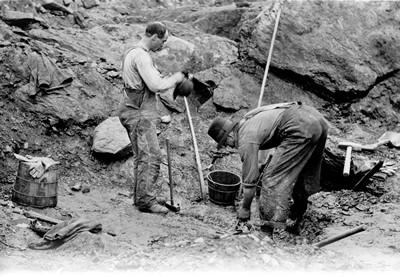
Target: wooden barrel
40 192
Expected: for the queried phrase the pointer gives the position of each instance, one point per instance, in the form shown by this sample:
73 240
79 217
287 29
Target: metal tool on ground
364 180
340 236
170 204
212 164
353 146
359 147
35 215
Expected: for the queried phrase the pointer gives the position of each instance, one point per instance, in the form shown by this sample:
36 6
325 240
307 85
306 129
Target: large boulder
344 47
222 21
111 138
239 91
188 49
234 99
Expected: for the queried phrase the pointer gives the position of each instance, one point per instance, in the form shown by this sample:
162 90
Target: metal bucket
40 192
223 187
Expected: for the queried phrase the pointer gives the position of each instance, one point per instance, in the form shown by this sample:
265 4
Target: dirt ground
192 240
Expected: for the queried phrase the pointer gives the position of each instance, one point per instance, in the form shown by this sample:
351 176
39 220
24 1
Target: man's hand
179 77
183 89
187 75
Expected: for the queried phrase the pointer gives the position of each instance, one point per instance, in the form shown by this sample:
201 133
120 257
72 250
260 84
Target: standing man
298 132
138 112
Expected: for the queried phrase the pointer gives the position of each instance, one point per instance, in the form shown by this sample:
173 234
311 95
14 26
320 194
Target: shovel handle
169 171
196 151
340 236
270 54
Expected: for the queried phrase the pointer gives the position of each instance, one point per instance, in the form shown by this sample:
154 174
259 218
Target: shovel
202 92
340 236
170 204
196 151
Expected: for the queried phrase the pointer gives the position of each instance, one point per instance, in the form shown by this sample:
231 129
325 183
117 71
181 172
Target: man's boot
154 208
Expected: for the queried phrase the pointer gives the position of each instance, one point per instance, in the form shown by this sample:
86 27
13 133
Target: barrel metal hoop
18 192
35 182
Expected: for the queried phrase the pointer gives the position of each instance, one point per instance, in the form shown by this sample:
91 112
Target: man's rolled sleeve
249 156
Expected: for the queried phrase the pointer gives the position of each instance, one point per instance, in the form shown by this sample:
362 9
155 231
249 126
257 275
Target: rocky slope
325 54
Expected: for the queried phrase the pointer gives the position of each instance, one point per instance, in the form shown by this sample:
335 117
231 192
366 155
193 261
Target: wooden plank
35 215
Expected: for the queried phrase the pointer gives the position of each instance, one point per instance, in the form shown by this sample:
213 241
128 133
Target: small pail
40 192
223 187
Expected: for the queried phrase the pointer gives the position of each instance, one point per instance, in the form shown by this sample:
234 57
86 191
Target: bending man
298 133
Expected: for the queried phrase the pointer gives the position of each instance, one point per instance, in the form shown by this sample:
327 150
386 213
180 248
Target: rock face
93 58
232 100
343 47
340 51
382 104
224 21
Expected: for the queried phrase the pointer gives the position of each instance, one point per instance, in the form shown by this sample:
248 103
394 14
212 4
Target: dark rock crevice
384 77
308 83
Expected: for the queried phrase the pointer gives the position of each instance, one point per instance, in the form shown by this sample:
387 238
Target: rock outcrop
341 48
337 51
110 138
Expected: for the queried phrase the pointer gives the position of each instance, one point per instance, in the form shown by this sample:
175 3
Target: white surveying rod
270 55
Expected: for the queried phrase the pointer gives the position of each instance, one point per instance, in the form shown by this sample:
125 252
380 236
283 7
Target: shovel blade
202 91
